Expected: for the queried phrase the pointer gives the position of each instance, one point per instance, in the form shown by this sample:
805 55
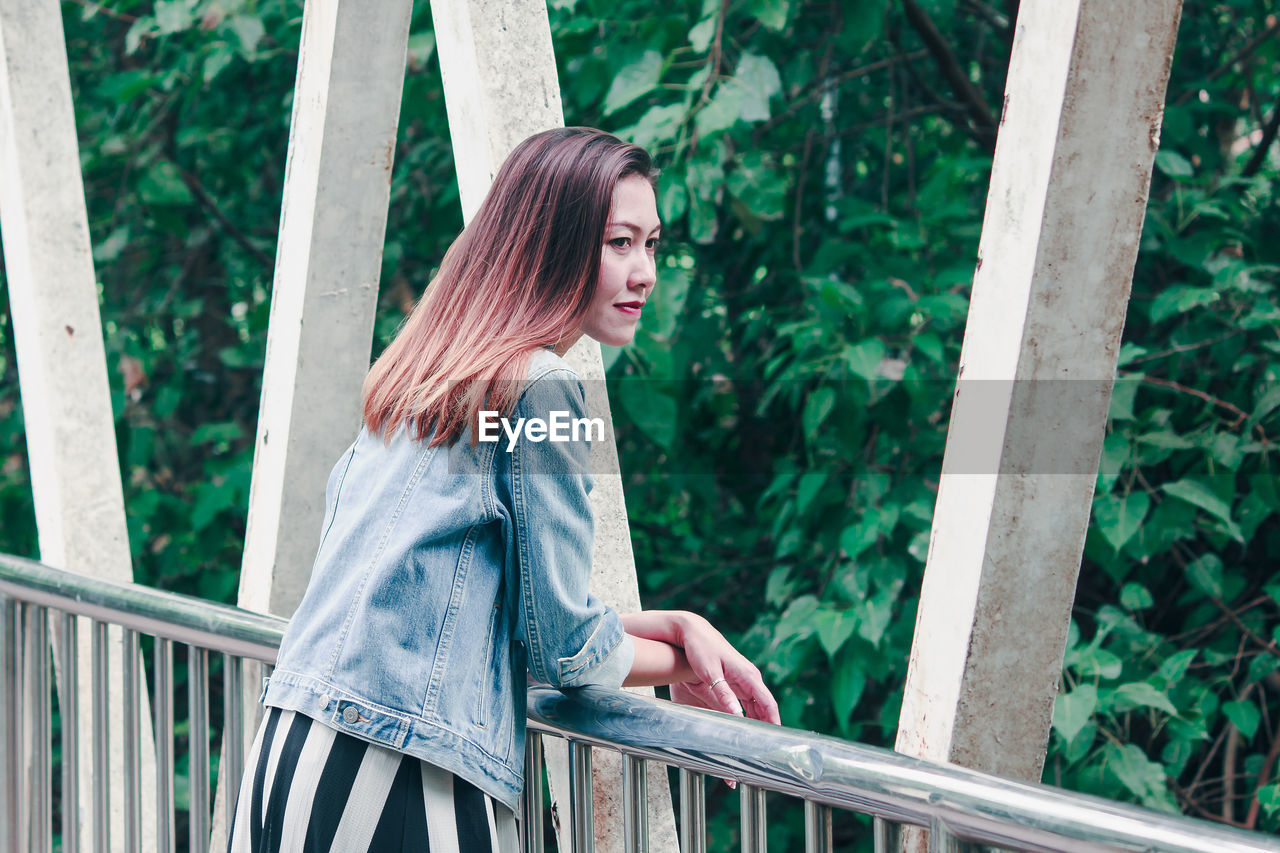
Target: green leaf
658 123
771 13
1179 299
633 80
163 185
216 432
847 683
140 28
760 186
651 408
864 358
876 616
1205 574
1262 666
724 109
249 32
1266 404
1173 668
1140 694
759 77
1123 395
1244 715
421 46
1118 518
835 627
779 587
808 487
1174 164
175 15
216 62
702 33
1071 711
127 85
1144 778
1135 596
857 538
797 620
816 410
1196 492
1269 798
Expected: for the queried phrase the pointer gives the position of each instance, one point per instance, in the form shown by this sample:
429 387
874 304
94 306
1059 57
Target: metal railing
35 598
962 810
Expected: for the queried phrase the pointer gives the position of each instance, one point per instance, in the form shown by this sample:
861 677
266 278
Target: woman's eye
652 244
620 242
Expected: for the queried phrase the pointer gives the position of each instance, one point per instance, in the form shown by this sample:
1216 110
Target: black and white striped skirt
310 788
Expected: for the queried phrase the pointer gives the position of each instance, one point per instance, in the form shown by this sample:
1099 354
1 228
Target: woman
453 565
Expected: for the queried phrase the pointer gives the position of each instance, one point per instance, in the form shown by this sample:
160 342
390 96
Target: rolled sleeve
573 639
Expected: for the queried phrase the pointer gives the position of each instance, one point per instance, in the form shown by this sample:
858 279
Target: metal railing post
635 807
755 837
198 746
11 731
817 827
887 836
693 812
101 734
231 768
132 798
69 714
582 836
163 712
531 827
39 793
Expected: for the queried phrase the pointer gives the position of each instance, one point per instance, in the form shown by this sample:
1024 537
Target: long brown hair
519 277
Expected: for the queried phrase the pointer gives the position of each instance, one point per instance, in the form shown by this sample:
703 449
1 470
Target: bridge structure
1077 139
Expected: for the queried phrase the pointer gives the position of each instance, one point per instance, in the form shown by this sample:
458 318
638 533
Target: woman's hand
717 676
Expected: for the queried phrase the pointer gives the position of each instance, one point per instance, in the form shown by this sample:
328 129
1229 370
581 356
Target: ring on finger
713 684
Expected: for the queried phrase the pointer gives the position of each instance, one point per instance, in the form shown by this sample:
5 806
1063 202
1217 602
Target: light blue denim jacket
443 573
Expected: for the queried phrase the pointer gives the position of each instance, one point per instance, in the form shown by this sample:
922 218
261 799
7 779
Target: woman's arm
684 650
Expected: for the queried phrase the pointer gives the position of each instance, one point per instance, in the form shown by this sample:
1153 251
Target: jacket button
350 715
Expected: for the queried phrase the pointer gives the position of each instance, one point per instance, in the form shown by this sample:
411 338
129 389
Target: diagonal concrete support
333 221
1064 215
500 84
53 294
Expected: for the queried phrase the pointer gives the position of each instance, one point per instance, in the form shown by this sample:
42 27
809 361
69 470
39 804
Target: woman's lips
631 309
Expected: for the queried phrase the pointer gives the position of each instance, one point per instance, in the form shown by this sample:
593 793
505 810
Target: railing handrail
974 805
873 780
171 615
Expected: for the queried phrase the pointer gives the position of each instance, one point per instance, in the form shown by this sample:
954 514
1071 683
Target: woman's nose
645 272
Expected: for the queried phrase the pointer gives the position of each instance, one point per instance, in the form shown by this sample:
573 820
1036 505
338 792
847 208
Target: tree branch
980 115
207 202
1268 136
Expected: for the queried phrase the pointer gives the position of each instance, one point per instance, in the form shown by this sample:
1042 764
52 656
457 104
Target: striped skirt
310 788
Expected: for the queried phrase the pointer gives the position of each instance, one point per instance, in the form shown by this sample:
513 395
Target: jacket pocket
484 711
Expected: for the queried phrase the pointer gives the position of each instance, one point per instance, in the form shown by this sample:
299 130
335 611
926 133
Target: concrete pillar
333 220
53 295
500 83
1064 215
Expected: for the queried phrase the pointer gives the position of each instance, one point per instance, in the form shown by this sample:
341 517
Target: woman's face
627 265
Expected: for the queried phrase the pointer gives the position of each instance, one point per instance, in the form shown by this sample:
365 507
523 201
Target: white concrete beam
500 83
1064 215
333 219
62 370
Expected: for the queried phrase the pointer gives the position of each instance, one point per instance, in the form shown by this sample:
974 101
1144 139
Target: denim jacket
446 577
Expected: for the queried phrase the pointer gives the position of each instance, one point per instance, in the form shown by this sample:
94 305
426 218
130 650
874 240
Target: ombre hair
519 277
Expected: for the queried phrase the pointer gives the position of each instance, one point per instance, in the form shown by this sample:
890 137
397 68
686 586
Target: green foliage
781 415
